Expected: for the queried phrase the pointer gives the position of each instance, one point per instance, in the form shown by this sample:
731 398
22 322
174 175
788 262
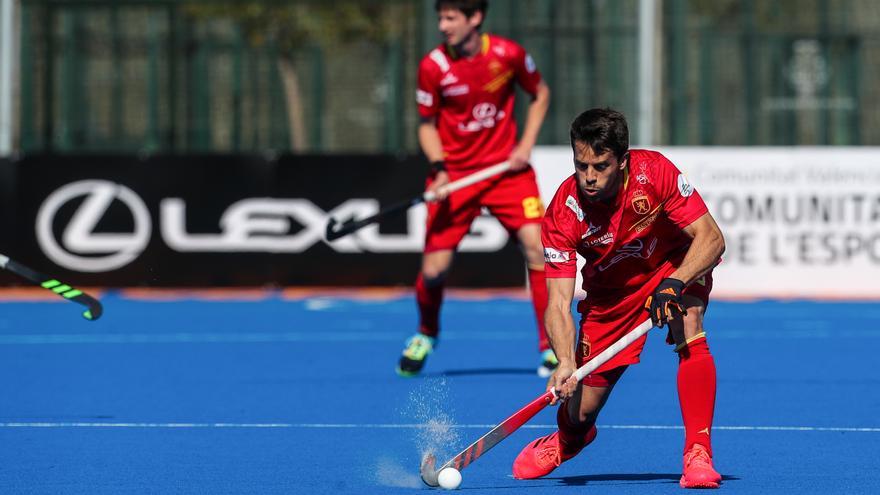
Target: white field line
348 336
415 426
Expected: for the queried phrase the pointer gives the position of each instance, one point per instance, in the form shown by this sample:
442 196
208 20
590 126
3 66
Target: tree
290 26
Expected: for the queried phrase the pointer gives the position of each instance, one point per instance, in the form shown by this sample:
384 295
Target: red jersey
628 242
472 99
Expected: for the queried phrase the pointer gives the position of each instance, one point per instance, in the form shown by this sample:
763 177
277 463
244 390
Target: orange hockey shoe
542 456
698 470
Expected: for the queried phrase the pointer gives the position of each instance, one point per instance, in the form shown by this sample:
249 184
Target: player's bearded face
598 175
456 27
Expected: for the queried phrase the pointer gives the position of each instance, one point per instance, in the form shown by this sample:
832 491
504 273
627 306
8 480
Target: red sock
538 287
573 438
429 300
696 393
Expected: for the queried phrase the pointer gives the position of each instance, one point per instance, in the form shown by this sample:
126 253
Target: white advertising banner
798 221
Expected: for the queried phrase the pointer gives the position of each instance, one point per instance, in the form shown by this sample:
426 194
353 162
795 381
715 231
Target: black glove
665 302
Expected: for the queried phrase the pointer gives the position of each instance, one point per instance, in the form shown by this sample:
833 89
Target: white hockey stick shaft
473 178
613 349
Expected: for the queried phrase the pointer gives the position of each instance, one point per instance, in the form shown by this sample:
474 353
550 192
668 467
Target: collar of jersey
483 49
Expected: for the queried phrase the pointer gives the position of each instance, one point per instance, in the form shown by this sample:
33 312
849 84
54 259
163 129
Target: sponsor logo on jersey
684 187
554 255
633 249
591 229
424 98
448 79
641 203
646 221
606 238
458 90
530 64
572 204
485 117
642 179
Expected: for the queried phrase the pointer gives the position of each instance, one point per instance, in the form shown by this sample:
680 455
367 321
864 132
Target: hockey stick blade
94 308
427 472
475 450
504 429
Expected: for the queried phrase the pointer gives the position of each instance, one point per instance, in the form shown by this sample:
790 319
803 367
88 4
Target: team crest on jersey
641 203
495 67
572 204
585 347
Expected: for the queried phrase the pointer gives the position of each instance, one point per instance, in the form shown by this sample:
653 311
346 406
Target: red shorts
513 199
602 326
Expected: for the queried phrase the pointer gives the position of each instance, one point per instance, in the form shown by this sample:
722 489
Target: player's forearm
561 332
705 251
429 140
535 116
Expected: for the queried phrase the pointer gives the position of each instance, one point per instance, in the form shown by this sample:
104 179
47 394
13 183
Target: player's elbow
543 94
717 242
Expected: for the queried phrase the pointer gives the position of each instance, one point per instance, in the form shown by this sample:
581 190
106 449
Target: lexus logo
80 247
249 225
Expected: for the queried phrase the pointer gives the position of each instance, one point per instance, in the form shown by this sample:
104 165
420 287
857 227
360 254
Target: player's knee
533 253
694 316
588 409
587 417
433 277
691 323
434 271
535 258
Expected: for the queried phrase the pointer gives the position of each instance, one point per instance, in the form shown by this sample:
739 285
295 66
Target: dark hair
603 129
467 7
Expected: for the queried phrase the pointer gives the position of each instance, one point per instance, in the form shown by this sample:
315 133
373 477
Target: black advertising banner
223 220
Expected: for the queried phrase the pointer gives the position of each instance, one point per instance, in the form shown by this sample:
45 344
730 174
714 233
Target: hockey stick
94 310
521 417
335 229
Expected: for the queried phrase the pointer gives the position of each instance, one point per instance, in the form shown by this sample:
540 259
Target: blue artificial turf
300 396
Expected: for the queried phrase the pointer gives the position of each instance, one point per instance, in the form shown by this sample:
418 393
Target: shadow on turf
625 477
484 371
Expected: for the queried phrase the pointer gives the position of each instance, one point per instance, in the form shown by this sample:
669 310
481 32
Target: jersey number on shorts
532 207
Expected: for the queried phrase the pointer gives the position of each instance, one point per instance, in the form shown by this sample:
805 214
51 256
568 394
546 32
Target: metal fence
242 76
